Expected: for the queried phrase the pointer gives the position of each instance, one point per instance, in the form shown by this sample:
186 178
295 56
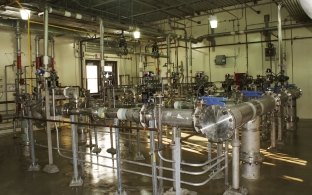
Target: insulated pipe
172 117
178 118
69 14
244 112
89 18
183 105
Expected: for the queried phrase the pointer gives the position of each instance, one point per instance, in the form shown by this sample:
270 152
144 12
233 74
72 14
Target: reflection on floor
286 172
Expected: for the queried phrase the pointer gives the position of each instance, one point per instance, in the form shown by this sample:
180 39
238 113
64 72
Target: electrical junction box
220 60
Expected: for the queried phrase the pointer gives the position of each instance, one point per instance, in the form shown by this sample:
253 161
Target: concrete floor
286 172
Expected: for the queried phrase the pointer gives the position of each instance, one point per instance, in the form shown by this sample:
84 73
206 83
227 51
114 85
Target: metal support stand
226 162
118 159
25 137
76 180
280 125
34 165
158 114
219 153
235 189
138 156
176 149
96 148
153 157
111 150
273 132
14 129
250 154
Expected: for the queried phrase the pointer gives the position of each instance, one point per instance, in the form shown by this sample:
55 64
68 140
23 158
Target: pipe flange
215 122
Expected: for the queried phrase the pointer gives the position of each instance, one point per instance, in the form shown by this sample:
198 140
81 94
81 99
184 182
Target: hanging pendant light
213 21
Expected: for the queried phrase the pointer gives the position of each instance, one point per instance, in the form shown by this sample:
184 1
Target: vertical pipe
46 39
177 160
158 113
280 125
209 150
52 54
37 39
191 60
153 157
273 131
38 64
18 48
47 95
235 161
50 168
101 41
186 59
219 153
280 39
33 166
6 87
102 57
118 163
226 162
96 148
76 180
168 54
250 151
18 64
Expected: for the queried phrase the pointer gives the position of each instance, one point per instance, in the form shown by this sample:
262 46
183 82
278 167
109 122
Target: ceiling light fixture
25 14
137 33
213 21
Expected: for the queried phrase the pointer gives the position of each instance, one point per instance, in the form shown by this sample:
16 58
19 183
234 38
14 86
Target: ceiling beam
166 8
162 9
102 3
157 7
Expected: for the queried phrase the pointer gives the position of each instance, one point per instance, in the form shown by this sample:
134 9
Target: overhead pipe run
255 30
71 14
89 18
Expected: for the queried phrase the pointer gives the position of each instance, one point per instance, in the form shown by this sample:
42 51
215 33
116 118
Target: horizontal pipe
244 112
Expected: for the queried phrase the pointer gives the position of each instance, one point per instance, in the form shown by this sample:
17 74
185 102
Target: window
92 78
